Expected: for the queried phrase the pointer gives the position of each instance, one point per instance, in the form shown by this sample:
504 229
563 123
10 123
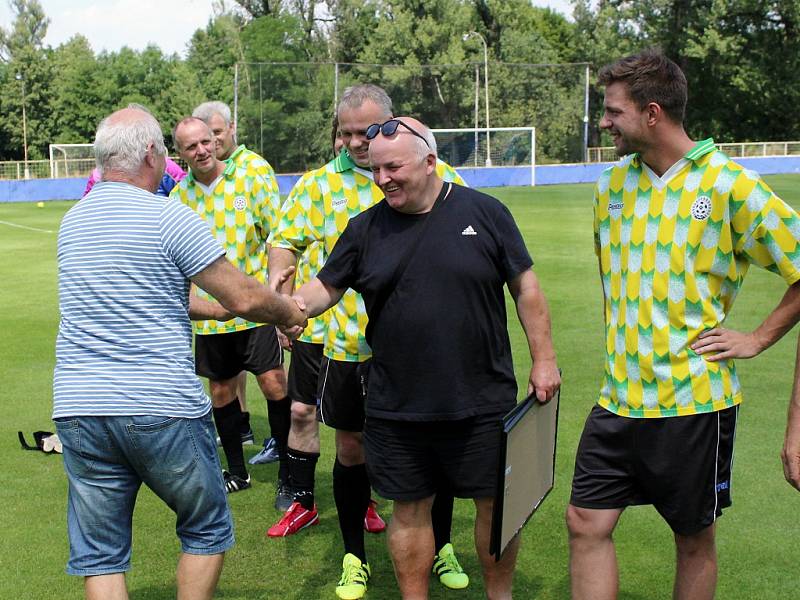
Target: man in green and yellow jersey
238 205
677 224
217 115
323 202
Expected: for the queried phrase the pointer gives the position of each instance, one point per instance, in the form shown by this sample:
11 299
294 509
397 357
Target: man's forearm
281 259
318 297
790 454
534 316
201 309
246 297
780 320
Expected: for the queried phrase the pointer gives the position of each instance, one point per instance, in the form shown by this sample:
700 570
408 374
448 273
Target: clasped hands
290 331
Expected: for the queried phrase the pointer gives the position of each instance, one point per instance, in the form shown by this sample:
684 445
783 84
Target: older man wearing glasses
431 263
316 212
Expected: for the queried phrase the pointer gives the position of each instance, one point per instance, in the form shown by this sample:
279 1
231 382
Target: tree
28 69
77 103
740 57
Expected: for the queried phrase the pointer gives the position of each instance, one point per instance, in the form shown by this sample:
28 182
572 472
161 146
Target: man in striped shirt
127 405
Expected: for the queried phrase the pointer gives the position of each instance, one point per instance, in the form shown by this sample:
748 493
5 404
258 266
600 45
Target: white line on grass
26 227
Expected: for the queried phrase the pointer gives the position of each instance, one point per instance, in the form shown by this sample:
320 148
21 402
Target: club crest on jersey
701 208
240 203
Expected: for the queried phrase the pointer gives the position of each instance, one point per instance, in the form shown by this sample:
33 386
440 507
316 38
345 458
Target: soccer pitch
756 537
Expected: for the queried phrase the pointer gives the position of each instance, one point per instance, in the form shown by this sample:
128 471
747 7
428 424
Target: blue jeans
108 458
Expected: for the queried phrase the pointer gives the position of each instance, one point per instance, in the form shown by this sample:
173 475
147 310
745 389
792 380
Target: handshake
297 314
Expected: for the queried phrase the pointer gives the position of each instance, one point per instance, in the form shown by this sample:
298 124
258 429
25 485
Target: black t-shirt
440 344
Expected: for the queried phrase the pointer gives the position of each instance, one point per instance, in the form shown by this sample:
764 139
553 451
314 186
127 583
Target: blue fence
42 190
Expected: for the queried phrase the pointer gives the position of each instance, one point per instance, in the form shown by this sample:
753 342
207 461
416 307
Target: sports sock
245 423
279 413
228 420
442 518
351 495
302 467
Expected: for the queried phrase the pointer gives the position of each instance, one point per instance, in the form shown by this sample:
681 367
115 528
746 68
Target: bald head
195 143
411 134
124 139
404 166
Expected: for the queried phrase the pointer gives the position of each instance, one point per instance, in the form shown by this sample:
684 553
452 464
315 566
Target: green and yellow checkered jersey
253 163
673 253
308 265
323 201
238 210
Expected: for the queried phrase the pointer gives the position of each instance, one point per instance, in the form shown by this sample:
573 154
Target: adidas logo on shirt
469 231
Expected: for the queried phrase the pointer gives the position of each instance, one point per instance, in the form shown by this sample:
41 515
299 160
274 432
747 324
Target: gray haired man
127 406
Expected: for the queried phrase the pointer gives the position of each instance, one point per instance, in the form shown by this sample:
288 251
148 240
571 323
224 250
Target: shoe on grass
234 483
247 438
355 575
284 496
372 520
446 567
268 454
293 520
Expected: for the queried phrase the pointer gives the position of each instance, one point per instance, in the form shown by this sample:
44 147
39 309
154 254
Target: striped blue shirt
124 343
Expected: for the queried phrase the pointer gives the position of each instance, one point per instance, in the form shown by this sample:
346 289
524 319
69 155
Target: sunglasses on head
389 128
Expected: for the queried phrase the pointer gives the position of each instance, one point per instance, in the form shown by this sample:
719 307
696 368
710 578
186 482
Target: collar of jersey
698 151
343 163
230 167
235 154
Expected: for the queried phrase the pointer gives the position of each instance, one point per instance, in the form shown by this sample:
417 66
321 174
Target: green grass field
756 538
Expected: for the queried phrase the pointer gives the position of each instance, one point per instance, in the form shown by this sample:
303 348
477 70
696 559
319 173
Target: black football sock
245 423
302 467
228 419
279 413
351 495
442 519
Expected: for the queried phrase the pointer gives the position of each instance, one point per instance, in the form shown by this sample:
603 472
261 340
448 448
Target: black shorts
680 465
341 391
304 372
412 460
224 355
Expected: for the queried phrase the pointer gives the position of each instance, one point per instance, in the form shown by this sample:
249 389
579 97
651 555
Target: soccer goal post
71 160
508 154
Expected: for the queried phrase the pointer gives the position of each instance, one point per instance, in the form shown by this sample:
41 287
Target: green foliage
741 59
28 73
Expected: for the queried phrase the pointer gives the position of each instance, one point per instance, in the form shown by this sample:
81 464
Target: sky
111 24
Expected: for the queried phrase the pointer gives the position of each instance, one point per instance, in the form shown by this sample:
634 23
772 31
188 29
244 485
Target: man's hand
727 343
284 341
545 380
276 282
292 333
790 455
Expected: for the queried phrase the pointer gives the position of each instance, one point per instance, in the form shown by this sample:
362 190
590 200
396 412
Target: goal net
494 147
71 160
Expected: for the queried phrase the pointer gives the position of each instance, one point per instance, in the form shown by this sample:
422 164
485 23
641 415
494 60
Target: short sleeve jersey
324 200
673 253
251 164
239 211
124 343
440 340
